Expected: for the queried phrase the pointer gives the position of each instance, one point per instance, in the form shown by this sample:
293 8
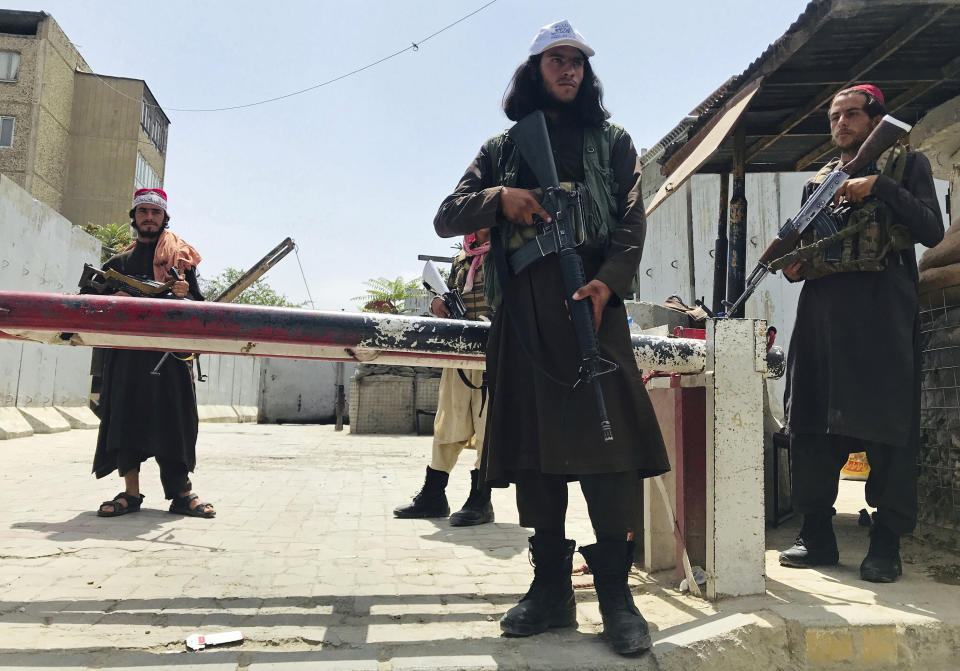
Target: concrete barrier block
246 413
217 413
13 424
45 419
78 417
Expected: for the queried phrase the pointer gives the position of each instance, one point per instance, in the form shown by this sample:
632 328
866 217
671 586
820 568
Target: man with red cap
144 415
853 382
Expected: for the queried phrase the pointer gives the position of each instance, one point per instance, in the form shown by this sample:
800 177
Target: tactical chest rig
867 233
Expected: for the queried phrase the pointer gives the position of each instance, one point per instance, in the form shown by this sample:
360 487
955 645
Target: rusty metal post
720 248
339 397
737 257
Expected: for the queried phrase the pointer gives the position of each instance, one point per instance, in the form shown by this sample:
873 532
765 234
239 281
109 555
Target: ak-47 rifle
110 281
558 236
816 210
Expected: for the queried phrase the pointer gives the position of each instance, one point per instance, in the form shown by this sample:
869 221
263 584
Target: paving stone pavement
306 558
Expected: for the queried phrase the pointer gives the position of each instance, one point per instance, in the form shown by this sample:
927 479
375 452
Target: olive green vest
599 192
868 237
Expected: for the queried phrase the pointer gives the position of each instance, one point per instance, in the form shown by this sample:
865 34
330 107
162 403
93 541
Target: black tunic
534 422
141 414
852 368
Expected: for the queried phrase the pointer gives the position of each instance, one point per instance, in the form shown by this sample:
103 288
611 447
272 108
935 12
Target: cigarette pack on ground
200 641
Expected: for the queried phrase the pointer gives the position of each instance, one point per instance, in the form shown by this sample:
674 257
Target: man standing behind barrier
544 431
461 406
853 381
144 415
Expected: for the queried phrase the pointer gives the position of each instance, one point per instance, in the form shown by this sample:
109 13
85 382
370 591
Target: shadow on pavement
131 527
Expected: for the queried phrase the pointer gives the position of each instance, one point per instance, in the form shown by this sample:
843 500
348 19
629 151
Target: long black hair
527 94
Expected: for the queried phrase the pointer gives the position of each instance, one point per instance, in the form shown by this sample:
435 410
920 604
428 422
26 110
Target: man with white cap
144 415
542 429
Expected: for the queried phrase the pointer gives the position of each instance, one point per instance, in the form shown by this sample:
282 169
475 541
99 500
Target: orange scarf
171 252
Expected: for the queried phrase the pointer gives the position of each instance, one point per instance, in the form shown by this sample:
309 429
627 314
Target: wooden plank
889 46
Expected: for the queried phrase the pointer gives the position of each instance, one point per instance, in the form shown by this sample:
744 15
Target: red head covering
156 197
867 88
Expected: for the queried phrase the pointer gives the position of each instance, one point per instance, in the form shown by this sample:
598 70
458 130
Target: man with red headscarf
144 415
853 381
461 415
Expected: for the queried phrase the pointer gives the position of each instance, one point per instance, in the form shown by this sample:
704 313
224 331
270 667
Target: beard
147 236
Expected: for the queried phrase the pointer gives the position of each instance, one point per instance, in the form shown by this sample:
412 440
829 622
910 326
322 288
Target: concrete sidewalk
306 558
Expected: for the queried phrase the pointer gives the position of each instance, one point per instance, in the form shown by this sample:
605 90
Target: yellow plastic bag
856 467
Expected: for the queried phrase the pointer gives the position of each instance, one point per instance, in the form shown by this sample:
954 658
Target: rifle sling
482 387
532 250
509 302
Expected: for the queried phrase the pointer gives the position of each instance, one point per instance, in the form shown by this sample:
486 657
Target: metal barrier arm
251 330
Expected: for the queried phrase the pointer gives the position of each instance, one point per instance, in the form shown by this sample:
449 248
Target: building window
146 178
9 66
153 121
6 130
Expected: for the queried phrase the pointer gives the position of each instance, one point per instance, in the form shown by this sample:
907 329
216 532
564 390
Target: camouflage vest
473 300
598 191
866 239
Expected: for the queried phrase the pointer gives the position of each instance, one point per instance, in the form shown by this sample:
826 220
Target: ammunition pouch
865 238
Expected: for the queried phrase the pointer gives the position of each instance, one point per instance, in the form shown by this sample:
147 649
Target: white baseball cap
559 34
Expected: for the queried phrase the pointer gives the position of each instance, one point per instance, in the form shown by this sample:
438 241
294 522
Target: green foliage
388 296
114 238
258 293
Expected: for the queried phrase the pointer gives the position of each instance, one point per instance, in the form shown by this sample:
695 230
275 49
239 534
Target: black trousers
612 500
173 474
891 486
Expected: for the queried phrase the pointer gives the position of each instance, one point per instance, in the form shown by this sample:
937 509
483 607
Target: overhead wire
303 275
414 46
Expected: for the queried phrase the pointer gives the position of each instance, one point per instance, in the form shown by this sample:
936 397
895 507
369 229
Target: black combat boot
549 602
623 625
882 563
816 544
477 509
431 501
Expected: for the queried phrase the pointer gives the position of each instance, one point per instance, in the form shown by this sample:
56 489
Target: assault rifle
558 236
110 281
816 210
433 281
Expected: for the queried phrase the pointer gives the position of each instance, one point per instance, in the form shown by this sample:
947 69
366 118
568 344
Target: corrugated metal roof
909 48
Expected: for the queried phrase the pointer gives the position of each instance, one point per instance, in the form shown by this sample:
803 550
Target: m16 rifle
816 210
558 236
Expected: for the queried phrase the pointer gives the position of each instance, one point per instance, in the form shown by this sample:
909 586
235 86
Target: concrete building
75 140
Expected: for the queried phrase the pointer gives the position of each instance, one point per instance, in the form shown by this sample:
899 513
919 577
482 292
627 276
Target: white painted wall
771 199
41 251
300 390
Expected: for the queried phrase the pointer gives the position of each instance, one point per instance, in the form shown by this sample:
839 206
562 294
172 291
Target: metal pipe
256 272
254 330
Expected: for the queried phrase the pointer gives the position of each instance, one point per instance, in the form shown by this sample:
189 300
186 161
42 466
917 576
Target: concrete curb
246 413
79 417
44 420
217 413
13 424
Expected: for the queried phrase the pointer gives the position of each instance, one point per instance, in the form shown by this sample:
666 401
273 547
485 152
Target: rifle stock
884 136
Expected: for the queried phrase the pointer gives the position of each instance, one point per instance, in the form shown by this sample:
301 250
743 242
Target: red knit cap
867 88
